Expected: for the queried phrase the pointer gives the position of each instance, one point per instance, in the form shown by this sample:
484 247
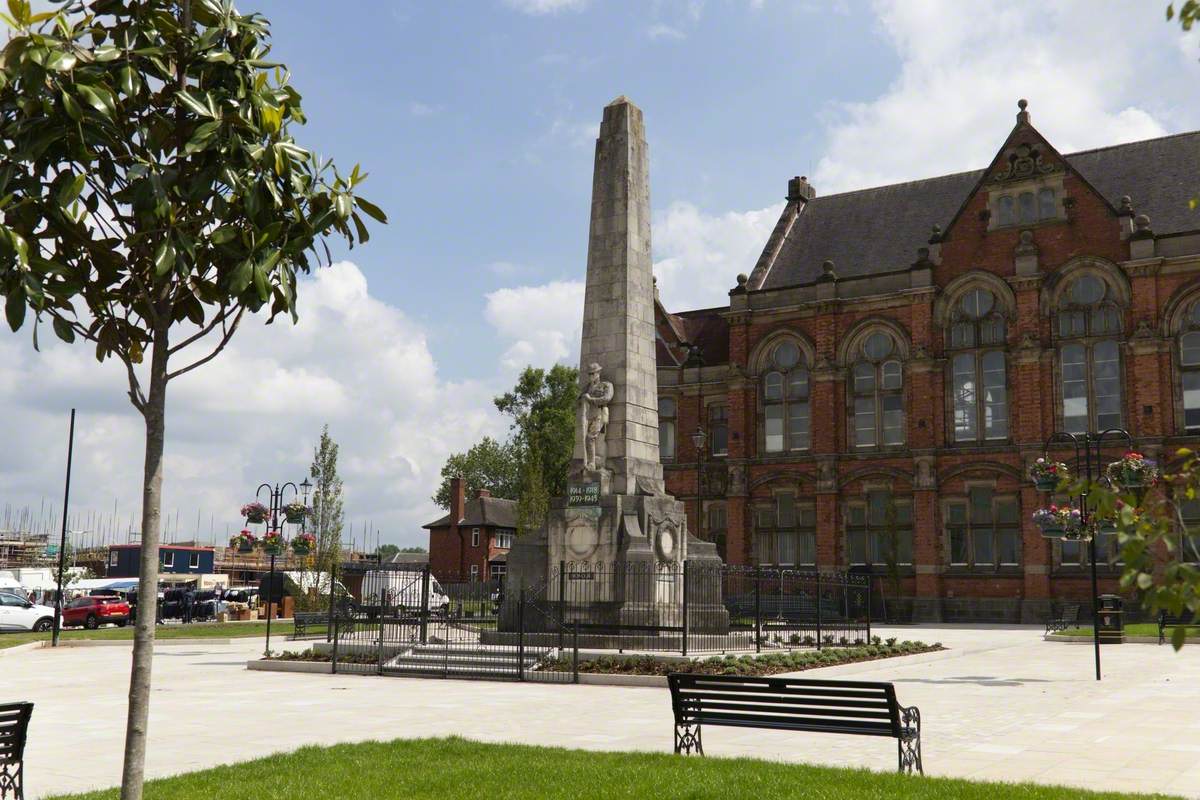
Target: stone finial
1022 114
922 258
621 100
1126 208
827 273
1142 229
742 284
654 281
800 190
935 234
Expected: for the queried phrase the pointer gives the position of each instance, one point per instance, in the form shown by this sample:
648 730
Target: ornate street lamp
274 525
1088 456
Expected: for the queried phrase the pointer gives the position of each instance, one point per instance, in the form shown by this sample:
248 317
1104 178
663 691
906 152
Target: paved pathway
1002 705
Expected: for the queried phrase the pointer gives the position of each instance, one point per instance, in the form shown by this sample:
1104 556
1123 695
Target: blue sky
476 121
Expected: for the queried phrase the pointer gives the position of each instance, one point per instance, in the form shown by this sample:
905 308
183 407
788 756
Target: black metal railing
408 622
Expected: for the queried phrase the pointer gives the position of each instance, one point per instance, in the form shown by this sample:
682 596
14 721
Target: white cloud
542 322
700 255
964 65
577 134
659 32
418 109
253 414
538 7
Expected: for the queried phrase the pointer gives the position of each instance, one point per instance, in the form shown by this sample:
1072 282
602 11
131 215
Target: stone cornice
1143 267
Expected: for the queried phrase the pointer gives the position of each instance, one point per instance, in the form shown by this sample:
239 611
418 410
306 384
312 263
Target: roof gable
879 230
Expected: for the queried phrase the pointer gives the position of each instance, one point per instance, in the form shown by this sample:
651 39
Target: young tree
542 406
326 518
533 502
152 194
487 465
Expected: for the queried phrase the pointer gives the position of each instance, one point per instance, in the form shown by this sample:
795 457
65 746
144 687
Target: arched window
785 400
1189 368
979 386
1089 325
877 393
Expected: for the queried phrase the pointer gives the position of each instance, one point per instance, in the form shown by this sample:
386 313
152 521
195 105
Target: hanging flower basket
1058 523
273 543
1132 472
255 513
243 542
295 512
303 544
1047 475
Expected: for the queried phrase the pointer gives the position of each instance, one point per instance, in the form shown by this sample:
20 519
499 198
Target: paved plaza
1002 704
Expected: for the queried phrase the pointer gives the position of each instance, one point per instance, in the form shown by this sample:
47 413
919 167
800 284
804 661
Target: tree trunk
136 725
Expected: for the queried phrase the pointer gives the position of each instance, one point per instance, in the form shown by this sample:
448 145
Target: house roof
482 511
879 230
409 558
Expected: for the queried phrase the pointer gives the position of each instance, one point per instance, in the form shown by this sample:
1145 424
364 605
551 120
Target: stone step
437 660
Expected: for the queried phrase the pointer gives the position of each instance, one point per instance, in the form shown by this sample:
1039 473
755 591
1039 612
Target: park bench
1166 620
303 620
1066 616
848 707
14 725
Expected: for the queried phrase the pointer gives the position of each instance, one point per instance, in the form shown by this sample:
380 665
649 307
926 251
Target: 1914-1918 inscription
583 493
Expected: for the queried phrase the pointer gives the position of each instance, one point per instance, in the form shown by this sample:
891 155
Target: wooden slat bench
849 707
1063 618
14 725
1166 620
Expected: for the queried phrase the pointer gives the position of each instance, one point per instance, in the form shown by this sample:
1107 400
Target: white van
401 589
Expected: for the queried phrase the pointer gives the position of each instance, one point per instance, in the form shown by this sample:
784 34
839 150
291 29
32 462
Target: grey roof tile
878 230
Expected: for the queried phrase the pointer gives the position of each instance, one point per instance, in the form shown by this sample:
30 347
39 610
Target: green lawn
199 630
448 769
1134 629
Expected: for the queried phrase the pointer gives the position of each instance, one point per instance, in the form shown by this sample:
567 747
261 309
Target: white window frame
474 573
474 537
194 560
168 558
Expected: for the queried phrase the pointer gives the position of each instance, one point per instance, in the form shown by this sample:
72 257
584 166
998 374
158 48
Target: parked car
18 614
92 612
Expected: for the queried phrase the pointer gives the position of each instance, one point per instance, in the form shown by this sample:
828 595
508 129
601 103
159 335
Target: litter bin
1111 619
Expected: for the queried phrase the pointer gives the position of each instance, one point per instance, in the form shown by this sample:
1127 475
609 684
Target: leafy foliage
542 406
532 465
487 465
150 177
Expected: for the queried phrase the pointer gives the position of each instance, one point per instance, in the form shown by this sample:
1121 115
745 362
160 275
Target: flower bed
309 655
751 665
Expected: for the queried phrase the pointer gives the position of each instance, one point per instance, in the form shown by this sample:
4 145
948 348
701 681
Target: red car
92 612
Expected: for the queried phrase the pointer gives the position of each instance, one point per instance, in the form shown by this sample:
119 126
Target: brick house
471 542
883 376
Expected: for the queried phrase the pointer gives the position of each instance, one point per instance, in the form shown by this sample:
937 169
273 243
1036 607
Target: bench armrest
910 717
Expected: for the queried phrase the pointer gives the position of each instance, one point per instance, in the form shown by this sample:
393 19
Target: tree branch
218 319
228 334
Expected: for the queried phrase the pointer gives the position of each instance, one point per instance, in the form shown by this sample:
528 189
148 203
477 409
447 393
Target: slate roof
878 230
409 558
481 511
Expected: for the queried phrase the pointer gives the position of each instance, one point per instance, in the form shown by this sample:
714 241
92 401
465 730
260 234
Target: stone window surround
761 364
1179 323
1003 307
799 501
706 402
1014 190
965 497
852 356
860 499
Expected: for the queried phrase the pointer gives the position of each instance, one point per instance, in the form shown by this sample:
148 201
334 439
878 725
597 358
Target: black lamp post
1088 448
698 439
274 526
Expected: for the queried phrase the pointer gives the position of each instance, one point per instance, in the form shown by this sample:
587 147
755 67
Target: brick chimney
483 493
458 500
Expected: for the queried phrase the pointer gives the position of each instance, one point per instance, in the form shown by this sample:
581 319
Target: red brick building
884 375
471 542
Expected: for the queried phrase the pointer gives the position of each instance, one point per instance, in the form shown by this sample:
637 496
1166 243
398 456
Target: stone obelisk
612 551
618 309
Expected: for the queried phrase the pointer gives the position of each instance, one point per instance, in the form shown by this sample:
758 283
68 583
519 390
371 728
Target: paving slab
1009 706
